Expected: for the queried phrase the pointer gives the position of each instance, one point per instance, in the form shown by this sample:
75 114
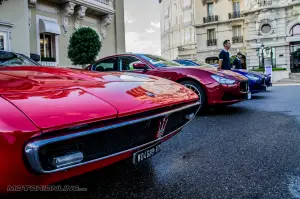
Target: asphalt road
247 150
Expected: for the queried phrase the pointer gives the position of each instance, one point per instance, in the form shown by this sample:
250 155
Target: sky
142 26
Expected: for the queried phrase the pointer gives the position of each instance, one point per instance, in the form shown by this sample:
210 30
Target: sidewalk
286 82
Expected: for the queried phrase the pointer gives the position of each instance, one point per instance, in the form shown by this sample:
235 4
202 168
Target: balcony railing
235 15
209 19
237 39
212 42
262 3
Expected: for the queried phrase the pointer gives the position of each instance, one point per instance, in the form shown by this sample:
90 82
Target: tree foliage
84 46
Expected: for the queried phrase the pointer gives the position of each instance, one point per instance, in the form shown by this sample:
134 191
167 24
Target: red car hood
57 98
213 70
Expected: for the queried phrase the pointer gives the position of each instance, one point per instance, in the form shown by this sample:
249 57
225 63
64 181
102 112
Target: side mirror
140 65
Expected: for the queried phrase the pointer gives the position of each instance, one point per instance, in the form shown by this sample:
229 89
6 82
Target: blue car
257 81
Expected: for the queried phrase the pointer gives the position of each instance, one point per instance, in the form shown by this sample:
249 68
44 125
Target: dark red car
214 87
57 123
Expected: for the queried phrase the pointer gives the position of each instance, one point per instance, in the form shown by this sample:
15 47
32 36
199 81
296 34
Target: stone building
253 26
276 25
217 21
44 27
177 31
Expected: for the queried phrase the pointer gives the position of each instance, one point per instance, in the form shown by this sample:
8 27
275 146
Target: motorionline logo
45 188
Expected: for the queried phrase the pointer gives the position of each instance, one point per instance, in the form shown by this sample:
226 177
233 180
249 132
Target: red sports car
57 123
214 87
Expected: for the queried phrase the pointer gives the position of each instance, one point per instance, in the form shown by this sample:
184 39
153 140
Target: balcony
97 7
212 42
210 19
235 15
237 39
263 3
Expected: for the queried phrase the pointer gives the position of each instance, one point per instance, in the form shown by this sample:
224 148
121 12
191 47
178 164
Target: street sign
268 70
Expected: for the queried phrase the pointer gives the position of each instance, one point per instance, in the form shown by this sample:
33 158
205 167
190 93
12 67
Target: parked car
214 87
16 59
57 123
257 81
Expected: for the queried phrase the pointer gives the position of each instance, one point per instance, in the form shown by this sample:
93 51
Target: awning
47 26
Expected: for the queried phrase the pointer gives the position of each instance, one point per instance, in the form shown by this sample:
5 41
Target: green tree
84 46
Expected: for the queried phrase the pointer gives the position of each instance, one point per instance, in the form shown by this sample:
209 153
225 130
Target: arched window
295 30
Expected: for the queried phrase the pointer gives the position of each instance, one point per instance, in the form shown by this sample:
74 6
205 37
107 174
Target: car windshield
15 59
203 64
186 63
159 61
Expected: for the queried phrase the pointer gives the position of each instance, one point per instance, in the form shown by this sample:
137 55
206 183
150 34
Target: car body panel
201 75
254 85
42 103
65 94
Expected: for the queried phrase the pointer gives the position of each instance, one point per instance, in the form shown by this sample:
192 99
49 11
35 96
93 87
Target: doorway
4 41
295 57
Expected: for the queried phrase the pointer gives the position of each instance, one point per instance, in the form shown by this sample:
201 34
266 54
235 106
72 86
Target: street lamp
262 47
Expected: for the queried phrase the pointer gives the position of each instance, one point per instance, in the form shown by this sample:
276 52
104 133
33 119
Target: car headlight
252 77
223 80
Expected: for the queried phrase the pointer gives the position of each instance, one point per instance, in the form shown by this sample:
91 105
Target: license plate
249 96
146 153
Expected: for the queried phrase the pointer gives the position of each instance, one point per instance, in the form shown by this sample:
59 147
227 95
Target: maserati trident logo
162 127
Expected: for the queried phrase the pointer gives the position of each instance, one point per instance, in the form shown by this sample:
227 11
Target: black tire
195 86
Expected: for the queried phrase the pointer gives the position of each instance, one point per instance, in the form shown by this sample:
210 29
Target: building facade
216 21
265 31
44 27
178 38
276 25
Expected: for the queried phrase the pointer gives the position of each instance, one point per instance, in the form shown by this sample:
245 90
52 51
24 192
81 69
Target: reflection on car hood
53 97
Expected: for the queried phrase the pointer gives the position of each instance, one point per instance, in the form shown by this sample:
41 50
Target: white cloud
150 30
156 25
127 18
134 44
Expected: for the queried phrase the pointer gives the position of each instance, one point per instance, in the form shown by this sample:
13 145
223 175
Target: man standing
237 61
224 57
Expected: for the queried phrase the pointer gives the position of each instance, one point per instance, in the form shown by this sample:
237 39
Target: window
47 47
167 25
210 11
109 64
187 4
187 16
176 38
295 30
3 41
126 63
237 31
236 7
187 35
211 34
266 28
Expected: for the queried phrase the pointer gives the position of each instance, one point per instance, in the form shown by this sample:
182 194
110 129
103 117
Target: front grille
230 97
244 86
112 141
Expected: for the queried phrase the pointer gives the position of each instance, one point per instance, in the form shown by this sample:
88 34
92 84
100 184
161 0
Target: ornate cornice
104 22
68 10
79 15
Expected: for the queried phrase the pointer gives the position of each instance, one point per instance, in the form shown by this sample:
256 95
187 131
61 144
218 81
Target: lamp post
262 47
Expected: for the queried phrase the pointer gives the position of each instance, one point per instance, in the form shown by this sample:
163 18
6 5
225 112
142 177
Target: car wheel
194 86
